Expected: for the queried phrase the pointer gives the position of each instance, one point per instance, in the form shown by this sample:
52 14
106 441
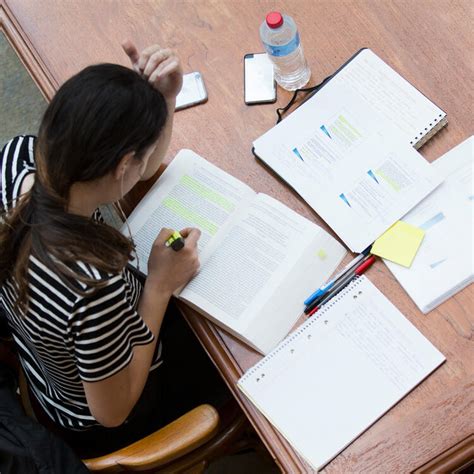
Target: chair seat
173 441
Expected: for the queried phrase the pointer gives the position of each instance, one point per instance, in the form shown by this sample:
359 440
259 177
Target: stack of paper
444 263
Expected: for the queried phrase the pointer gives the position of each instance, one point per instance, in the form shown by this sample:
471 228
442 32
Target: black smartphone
259 80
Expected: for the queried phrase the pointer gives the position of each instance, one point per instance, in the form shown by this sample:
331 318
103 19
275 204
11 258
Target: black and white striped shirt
65 338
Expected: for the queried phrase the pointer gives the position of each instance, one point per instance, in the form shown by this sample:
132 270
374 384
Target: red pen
363 267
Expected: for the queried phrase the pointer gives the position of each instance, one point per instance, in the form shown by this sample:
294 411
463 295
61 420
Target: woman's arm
27 183
112 399
163 70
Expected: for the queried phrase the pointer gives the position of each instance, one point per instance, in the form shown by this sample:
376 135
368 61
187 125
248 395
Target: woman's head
102 122
97 117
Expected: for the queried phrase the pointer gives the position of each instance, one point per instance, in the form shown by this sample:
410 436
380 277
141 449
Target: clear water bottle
281 40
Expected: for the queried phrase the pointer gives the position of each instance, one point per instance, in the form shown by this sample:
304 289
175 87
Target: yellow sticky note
399 244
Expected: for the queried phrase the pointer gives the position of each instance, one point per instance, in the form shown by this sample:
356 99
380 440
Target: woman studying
87 331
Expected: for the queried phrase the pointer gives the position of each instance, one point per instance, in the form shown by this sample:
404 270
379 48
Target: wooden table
429 42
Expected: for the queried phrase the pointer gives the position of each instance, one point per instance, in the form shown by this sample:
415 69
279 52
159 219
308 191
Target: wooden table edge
207 333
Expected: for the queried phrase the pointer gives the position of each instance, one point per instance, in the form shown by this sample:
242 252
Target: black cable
308 90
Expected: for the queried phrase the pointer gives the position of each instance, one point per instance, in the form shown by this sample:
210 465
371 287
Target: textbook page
444 263
190 193
349 164
333 377
269 260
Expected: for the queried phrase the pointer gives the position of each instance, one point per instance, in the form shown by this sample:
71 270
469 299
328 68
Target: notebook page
349 164
444 263
391 95
336 375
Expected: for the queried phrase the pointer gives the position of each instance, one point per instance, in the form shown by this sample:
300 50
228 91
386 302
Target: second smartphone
193 91
259 80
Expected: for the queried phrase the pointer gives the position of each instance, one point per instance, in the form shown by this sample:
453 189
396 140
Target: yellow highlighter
175 241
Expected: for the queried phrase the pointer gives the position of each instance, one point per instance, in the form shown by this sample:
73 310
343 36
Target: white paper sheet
444 263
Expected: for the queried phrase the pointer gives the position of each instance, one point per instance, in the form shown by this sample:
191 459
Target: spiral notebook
333 377
382 89
349 150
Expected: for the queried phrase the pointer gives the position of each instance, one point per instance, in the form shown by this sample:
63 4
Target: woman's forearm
152 308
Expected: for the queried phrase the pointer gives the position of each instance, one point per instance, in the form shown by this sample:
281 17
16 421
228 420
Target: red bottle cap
274 19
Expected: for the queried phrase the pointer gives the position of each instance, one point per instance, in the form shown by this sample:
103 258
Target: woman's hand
168 270
160 66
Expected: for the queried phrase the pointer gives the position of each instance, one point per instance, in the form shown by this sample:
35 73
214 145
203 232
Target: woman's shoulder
85 282
75 279
93 282
17 160
19 146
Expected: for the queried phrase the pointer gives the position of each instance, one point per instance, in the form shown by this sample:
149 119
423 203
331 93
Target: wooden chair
187 444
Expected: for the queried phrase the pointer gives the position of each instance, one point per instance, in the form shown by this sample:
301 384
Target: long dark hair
96 117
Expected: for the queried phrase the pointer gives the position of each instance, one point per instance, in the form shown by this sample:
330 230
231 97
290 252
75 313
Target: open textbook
444 263
348 150
259 259
339 372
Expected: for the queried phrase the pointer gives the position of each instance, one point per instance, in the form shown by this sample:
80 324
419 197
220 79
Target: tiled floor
22 102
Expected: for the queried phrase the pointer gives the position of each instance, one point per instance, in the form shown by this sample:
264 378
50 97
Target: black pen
340 285
321 292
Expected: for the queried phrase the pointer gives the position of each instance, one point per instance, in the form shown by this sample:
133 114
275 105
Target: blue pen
319 292
325 288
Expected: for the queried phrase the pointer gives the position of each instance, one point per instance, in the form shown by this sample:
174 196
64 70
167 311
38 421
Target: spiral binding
304 327
437 124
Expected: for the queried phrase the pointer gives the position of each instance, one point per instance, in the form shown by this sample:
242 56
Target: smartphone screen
259 81
193 91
